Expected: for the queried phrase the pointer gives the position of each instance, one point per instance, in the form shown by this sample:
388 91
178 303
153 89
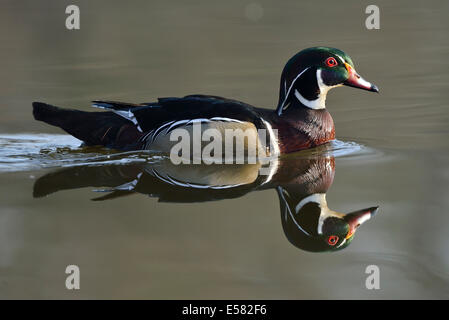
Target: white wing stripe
173 124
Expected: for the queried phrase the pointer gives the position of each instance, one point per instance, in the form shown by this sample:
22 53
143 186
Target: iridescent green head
311 73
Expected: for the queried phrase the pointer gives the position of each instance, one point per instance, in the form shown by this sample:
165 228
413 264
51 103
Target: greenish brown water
392 151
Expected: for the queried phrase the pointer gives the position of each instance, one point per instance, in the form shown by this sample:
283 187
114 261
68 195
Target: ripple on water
23 152
340 149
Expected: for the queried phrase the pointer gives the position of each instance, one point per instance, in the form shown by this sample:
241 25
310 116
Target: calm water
392 151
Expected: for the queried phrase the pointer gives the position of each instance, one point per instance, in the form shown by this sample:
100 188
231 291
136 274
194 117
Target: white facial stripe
319 198
320 102
344 240
312 104
342 60
325 212
324 88
281 194
319 79
289 89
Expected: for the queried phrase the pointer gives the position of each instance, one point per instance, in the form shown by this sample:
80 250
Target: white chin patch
320 102
312 104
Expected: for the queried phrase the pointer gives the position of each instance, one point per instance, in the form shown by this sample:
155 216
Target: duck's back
150 125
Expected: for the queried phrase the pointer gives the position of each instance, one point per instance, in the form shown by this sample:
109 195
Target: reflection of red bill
355 219
356 81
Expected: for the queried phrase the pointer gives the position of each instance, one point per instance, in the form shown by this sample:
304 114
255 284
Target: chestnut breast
303 128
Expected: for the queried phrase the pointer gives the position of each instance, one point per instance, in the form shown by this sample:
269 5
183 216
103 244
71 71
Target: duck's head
337 230
310 225
311 73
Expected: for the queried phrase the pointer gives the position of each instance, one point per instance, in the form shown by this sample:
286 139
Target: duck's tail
94 128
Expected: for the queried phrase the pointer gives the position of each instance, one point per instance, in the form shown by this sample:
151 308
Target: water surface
392 151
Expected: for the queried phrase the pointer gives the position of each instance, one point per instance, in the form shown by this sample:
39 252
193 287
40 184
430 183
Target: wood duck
300 182
301 118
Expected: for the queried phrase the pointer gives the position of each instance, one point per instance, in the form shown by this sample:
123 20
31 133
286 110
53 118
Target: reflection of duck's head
310 225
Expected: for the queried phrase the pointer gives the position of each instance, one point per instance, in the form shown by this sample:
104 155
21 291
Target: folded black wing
151 115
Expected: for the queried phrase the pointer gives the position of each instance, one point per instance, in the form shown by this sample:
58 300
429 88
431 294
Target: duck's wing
114 105
152 115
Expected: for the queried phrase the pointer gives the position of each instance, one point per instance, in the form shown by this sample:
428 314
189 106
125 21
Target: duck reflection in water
301 183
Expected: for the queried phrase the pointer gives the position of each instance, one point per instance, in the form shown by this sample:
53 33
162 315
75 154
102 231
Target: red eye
332 240
331 62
